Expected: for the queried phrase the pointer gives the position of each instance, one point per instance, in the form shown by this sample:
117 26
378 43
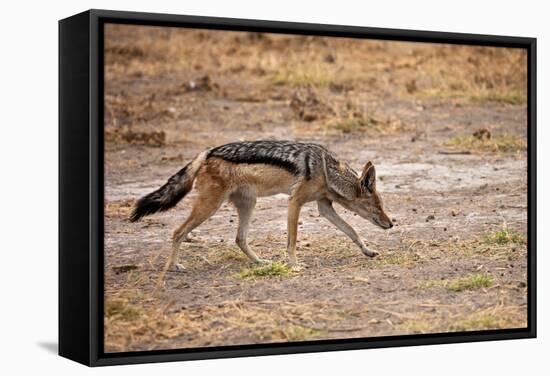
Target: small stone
374 321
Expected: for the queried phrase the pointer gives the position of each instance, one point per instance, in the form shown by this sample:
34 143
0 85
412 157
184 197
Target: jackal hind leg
245 203
205 205
327 211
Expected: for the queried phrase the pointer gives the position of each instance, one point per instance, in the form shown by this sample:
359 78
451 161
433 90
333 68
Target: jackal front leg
245 207
327 211
294 207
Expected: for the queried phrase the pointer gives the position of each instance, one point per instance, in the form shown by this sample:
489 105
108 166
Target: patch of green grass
272 270
503 144
300 333
296 79
471 282
512 97
483 322
504 236
121 309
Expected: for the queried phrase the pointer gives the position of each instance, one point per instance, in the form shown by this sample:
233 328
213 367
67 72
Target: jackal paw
177 267
296 266
191 239
261 261
370 253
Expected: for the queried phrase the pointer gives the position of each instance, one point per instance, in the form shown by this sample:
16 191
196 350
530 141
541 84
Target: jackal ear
369 163
368 178
337 182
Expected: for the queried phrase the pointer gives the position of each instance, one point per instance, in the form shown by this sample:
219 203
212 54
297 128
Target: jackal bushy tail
171 192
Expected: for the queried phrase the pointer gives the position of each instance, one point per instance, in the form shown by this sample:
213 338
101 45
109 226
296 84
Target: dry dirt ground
455 259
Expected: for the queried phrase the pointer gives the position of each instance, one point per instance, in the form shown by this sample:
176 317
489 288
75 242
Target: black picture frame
81 186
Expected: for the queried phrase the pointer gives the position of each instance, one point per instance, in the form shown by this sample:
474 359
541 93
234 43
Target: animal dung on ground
482 134
203 83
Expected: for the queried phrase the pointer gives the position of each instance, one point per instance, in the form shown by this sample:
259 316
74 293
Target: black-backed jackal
242 171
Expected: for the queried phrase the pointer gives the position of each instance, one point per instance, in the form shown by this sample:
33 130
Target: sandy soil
455 259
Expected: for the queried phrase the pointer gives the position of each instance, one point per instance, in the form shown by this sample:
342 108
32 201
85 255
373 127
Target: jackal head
359 195
368 203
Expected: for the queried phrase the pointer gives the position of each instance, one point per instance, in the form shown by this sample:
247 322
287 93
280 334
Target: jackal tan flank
242 171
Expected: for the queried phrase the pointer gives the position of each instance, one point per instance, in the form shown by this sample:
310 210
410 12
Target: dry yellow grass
137 319
492 317
341 67
499 144
120 209
133 325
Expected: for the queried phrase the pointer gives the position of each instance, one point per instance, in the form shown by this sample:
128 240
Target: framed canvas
236 187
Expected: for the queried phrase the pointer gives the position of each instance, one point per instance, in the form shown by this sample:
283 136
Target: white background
28 168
